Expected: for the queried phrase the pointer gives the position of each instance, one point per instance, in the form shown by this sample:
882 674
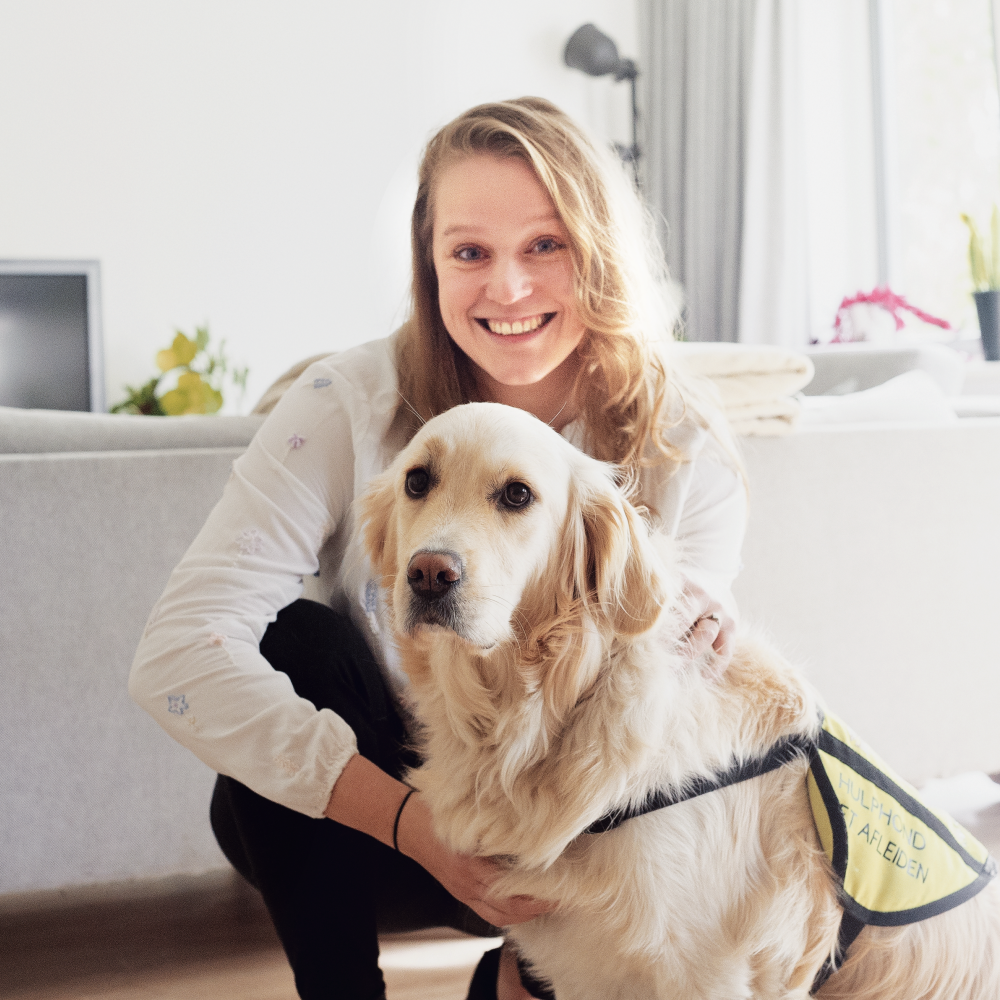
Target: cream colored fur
557 692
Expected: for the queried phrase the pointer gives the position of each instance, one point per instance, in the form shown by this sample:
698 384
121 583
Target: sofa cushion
844 368
34 431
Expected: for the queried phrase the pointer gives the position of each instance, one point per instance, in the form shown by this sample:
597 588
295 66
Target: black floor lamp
591 51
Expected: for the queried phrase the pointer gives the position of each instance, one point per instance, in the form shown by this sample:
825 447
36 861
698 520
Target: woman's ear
376 510
617 571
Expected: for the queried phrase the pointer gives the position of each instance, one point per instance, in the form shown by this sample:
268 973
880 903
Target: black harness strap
535 986
783 752
850 928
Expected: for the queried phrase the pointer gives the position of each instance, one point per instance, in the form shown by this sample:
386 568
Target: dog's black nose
432 574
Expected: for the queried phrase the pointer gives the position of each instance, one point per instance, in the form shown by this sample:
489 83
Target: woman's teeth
518 326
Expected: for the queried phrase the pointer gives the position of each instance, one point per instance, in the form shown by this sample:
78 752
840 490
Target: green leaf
201 337
977 260
995 248
141 401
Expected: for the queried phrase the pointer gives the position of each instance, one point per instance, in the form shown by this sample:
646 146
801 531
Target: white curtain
773 294
758 157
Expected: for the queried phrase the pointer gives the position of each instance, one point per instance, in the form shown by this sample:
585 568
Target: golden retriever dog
538 620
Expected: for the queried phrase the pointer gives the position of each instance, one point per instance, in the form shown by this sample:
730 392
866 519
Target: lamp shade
591 51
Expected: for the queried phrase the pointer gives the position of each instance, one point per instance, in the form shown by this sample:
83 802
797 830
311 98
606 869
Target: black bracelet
399 812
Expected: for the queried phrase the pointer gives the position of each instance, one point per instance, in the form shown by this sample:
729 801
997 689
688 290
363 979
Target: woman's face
505 277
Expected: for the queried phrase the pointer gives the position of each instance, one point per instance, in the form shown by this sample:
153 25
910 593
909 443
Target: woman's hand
710 627
367 799
468 878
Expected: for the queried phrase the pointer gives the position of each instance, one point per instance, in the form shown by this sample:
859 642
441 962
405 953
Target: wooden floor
209 938
206 938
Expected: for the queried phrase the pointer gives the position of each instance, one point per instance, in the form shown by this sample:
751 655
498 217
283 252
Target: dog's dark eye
417 482
515 495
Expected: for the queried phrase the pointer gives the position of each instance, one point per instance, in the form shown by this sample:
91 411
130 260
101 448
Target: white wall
249 163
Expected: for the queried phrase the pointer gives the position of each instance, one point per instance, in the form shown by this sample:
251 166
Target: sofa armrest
91 789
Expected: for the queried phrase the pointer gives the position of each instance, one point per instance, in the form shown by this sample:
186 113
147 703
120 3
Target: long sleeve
198 670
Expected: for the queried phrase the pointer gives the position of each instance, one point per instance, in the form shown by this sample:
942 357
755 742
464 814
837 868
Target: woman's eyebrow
461 228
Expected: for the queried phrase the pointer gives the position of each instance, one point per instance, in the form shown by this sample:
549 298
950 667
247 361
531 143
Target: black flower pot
988 307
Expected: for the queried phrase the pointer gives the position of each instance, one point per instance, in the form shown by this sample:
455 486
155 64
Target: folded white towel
767 418
755 382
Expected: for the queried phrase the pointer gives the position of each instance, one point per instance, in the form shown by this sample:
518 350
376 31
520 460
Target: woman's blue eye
469 253
547 245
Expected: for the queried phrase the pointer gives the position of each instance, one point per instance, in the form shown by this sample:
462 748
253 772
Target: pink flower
296 442
888 300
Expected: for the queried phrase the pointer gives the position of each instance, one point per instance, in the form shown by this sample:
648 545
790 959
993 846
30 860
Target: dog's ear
616 572
375 510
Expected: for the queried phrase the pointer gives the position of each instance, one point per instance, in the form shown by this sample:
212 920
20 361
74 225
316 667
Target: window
943 99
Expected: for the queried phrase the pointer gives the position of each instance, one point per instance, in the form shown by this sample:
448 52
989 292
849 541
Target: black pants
328 888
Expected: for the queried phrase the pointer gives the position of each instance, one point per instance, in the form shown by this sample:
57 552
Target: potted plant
985 266
200 376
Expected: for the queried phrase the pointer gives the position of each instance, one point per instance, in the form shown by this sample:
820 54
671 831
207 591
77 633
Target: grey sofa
94 513
872 556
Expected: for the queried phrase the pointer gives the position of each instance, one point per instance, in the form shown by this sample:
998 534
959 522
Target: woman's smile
507 328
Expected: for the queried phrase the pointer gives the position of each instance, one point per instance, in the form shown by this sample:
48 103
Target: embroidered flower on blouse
321 383
296 441
250 541
216 639
177 704
287 765
371 597
369 601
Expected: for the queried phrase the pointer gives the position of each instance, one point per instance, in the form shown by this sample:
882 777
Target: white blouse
284 529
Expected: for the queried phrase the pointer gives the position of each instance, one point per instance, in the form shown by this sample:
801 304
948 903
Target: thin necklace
561 408
413 411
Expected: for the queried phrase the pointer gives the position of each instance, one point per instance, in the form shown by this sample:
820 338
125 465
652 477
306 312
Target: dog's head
492 526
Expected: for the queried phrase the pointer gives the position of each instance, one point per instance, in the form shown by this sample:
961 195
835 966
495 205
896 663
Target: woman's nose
509 282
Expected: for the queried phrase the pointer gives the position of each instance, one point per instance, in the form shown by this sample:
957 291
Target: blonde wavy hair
626 391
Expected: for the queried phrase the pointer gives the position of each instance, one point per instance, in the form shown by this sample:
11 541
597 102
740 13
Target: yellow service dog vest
898 860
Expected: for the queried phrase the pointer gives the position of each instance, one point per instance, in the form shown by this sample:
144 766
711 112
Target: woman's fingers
711 629
723 644
703 636
502 911
469 879
520 909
